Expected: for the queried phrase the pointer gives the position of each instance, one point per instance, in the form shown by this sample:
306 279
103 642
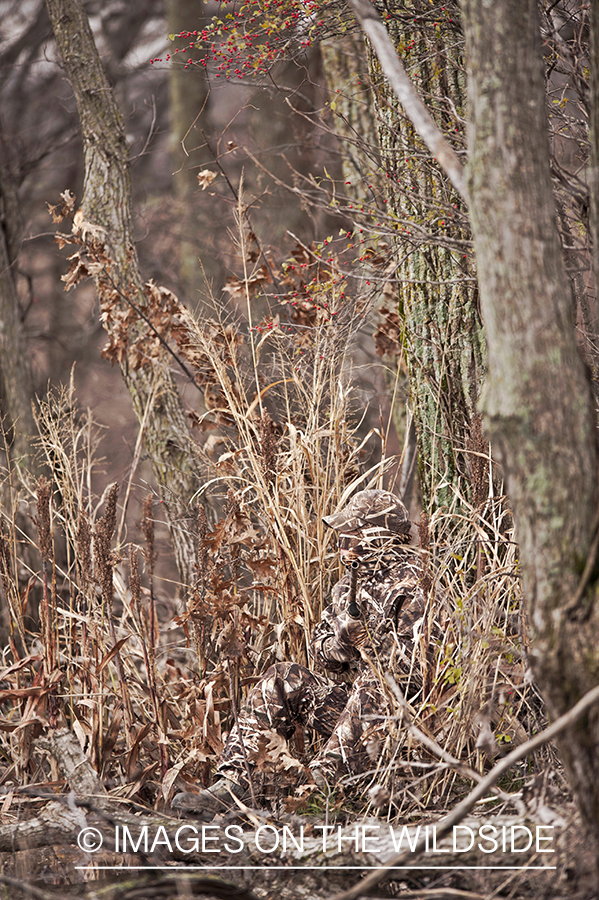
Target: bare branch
463 808
407 95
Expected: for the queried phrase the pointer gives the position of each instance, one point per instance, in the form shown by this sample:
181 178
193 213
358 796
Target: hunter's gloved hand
350 631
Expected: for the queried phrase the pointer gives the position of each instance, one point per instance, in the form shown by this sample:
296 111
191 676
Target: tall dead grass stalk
151 695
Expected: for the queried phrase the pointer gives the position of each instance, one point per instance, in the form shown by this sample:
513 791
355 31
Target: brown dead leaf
230 643
170 778
112 653
134 752
273 752
16 667
206 177
263 568
112 735
237 287
85 229
292 804
65 208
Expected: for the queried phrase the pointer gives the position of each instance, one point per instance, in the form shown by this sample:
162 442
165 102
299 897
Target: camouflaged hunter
377 617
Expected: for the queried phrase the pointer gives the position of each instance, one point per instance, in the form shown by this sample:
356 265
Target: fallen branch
406 93
138 885
325 859
437 750
463 808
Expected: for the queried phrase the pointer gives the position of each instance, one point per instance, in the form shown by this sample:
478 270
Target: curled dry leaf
65 208
237 287
205 178
230 643
87 229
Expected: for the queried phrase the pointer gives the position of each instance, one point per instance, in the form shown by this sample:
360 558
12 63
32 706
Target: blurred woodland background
271 305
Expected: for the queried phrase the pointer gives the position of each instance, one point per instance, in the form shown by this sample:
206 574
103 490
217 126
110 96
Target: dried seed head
42 521
134 582
103 557
268 447
5 563
424 540
147 527
478 462
109 518
203 546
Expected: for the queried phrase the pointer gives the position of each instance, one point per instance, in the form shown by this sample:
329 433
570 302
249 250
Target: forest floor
95 847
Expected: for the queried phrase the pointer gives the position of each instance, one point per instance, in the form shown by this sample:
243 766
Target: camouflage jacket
392 619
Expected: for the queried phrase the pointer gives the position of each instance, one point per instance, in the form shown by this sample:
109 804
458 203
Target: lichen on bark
538 404
438 304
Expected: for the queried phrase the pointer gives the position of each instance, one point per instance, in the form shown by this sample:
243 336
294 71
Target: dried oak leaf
79 269
263 567
237 287
230 643
272 751
85 229
387 338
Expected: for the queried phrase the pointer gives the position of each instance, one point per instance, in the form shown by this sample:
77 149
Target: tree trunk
107 203
442 333
593 177
537 402
347 78
188 95
16 392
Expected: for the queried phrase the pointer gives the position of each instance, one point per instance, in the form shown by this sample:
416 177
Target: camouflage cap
376 510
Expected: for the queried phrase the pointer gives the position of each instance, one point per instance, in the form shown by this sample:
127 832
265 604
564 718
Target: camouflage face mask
371 548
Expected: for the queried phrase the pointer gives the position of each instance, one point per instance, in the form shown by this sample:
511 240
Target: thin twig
435 748
407 95
463 808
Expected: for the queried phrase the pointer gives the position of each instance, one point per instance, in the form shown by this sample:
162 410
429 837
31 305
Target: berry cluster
249 39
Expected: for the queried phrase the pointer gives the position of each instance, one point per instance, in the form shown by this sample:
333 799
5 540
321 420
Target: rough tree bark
346 73
537 403
106 202
15 375
188 94
594 148
442 332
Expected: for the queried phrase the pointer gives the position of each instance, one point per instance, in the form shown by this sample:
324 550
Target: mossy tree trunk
347 78
538 404
107 203
442 332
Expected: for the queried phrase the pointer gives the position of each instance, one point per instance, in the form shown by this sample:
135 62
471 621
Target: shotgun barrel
353 608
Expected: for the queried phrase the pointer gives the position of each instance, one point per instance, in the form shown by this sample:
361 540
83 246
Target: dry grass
150 695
